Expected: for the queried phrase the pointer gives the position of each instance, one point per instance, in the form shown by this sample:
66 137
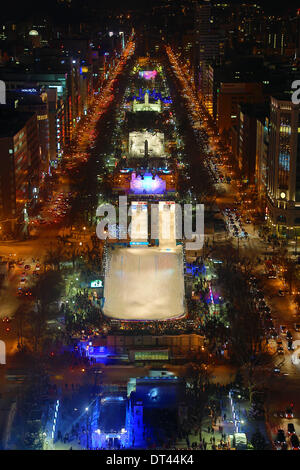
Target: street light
87 427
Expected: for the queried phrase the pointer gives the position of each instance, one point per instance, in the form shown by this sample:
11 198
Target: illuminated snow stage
144 283
155 143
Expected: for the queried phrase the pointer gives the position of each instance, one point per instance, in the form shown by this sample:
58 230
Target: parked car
6 320
289 413
280 438
295 442
291 428
280 350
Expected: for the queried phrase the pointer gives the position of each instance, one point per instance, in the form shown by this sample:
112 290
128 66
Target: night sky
79 10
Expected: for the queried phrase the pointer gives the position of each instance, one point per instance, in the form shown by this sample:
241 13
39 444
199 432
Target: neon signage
97 283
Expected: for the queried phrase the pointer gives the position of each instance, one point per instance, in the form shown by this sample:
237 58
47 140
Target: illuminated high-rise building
19 155
283 183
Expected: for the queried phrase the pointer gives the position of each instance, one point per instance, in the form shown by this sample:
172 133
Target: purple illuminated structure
148 185
148 74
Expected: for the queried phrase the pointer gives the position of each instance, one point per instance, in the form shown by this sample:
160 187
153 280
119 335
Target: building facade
230 96
19 154
261 158
283 182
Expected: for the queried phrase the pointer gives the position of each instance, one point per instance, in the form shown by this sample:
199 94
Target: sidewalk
247 424
225 424
221 426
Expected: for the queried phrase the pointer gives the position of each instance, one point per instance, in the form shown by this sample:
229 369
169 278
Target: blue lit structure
156 95
118 421
195 269
98 353
108 423
138 243
149 398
